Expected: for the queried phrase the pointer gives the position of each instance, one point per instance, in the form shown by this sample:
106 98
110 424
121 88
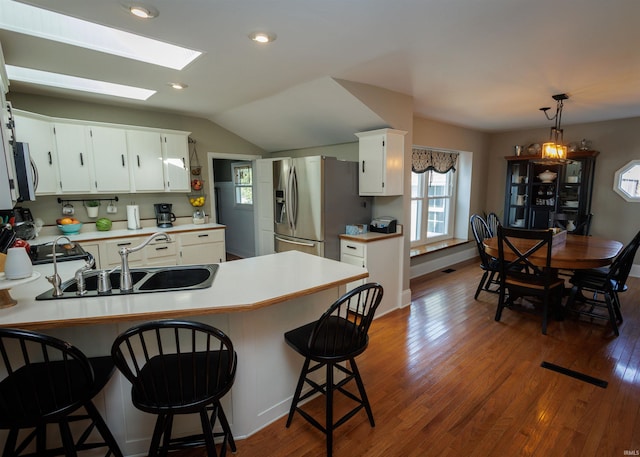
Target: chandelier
554 149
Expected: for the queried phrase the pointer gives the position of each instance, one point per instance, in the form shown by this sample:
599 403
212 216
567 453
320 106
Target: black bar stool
44 380
338 336
179 367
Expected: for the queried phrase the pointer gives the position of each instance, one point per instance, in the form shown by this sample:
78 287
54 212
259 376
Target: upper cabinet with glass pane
381 154
626 182
535 199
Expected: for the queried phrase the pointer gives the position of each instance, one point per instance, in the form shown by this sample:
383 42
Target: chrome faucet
81 288
54 279
125 274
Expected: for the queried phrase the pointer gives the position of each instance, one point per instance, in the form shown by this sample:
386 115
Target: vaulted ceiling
487 65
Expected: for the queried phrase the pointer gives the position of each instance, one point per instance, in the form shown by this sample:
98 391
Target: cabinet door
372 159
94 250
176 163
145 158
74 160
202 247
111 167
39 134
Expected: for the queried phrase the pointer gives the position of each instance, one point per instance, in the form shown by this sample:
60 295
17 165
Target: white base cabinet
202 247
382 257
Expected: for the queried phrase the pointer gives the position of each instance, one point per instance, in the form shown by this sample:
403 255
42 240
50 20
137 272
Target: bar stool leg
329 409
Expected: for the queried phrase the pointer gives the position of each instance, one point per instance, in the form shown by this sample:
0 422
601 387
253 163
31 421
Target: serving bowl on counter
70 229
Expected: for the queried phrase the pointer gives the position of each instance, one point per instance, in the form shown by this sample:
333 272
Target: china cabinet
381 157
536 190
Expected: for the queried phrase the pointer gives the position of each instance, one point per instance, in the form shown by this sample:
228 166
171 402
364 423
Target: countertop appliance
43 253
164 216
26 172
315 198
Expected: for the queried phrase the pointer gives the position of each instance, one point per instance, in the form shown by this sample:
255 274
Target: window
243 183
432 206
627 181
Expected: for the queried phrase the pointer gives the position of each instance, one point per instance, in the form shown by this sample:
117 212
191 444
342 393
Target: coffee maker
164 216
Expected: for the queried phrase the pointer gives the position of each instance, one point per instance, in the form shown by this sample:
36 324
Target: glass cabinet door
517 200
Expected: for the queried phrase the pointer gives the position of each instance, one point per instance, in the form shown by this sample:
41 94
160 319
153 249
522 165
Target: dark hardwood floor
445 379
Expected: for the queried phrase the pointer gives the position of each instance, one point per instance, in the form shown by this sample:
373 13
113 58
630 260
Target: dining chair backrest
480 231
582 223
515 248
622 264
492 222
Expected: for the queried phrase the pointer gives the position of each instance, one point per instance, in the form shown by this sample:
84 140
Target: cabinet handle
122 155
124 244
363 166
184 163
50 161
350 247
203 236
138 157
81 160
162 248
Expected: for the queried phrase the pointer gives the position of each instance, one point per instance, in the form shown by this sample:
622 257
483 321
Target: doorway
231 202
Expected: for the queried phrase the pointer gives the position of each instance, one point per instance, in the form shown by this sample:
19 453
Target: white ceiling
487 65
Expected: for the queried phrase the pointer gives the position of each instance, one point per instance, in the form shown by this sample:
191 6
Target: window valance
423 159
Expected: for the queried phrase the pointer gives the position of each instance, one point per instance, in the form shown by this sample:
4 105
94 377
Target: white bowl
548 176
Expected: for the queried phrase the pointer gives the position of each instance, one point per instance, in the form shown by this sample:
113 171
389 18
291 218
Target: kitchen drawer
351 248
199 237
112 249
160 250
353 260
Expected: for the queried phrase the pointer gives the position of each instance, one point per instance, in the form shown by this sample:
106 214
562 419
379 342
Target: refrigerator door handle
288 199
294 194
299 243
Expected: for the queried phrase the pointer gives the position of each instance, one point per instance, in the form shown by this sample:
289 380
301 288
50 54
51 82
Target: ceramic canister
18 264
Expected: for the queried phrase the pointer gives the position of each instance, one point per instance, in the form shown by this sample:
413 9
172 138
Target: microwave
26 172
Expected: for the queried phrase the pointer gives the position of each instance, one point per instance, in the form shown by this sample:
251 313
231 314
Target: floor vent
448 270
575 374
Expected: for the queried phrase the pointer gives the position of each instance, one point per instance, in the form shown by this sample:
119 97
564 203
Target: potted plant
92 208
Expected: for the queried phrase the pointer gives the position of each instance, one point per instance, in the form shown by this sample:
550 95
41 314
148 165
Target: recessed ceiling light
263 37
178 86
93 86
144 12
29 20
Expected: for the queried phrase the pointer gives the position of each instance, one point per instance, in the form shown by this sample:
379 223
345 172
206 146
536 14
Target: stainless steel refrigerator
315 198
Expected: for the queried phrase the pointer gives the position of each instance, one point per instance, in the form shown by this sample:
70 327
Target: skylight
45 24
45 78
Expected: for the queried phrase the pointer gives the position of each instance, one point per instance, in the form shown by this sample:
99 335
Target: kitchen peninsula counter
241 285
254 301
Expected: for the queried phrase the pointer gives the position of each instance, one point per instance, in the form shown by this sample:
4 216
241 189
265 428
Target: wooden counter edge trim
361 239
167 314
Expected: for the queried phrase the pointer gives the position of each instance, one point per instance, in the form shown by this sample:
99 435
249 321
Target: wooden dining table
577 252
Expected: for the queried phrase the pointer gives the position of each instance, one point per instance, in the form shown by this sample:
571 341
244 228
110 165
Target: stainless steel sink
145 280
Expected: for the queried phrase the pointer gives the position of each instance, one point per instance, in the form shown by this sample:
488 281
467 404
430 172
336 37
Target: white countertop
240 285
121 233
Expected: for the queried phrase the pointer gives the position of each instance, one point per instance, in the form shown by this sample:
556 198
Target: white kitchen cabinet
145 159
110 161
94 250
382 257
175 154
8 191
381 167
202 247
110 252
74 158
38 132
160 253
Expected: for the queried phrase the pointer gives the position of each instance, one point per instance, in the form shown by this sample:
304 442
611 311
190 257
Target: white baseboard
406 298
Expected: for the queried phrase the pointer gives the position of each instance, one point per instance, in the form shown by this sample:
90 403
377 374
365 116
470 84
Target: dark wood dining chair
179 367
606 282
488 264
340 335
45 381
520 277
492 222
582 223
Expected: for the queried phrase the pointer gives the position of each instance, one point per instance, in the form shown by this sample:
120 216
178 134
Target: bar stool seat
338 336
179 367
48 381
